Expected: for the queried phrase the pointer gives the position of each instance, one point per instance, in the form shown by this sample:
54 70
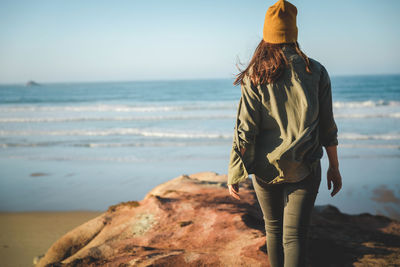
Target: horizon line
172 79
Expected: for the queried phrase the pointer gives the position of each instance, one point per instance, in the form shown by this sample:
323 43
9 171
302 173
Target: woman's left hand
234 190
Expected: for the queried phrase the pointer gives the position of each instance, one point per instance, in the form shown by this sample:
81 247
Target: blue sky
95 40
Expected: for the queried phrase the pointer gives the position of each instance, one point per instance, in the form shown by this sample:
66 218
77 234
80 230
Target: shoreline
26 234
51 211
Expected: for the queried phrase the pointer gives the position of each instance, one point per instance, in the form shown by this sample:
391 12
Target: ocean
86 146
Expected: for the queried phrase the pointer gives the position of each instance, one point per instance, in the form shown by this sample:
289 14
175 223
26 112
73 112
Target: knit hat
280 23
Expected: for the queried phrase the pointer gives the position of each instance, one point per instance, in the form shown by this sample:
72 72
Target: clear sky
96 40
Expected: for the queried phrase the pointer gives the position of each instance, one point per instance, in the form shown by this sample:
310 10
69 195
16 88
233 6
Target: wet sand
24 235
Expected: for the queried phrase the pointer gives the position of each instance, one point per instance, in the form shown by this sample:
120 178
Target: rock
192 221
37 174
36 259
32 83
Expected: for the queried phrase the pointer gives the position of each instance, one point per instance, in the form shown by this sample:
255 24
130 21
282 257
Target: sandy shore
24 235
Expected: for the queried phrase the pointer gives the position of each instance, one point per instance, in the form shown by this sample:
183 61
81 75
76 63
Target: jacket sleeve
327 125
245 132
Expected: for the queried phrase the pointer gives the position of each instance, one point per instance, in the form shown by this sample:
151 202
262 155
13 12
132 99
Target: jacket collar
290 53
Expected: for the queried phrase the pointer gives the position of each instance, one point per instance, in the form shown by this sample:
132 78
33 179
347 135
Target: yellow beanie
280 23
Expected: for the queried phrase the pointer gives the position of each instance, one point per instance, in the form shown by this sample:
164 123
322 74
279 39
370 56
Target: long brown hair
268 63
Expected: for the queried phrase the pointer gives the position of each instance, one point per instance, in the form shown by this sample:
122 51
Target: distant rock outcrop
32 83
192 221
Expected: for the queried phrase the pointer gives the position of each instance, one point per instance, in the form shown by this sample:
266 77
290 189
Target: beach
117 126
25 235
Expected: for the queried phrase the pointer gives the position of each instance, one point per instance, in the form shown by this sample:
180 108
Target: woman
284 119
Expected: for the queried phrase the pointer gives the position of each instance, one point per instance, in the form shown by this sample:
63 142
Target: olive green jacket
283 125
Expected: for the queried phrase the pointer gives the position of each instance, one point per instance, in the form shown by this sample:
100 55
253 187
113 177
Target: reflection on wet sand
384 195
387 197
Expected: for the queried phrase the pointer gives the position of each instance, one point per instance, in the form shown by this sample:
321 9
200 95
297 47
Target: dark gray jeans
287 209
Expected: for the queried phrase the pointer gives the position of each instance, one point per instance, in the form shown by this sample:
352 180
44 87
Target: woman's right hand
234 190
334 177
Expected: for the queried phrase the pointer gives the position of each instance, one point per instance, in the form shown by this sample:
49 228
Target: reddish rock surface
192 221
